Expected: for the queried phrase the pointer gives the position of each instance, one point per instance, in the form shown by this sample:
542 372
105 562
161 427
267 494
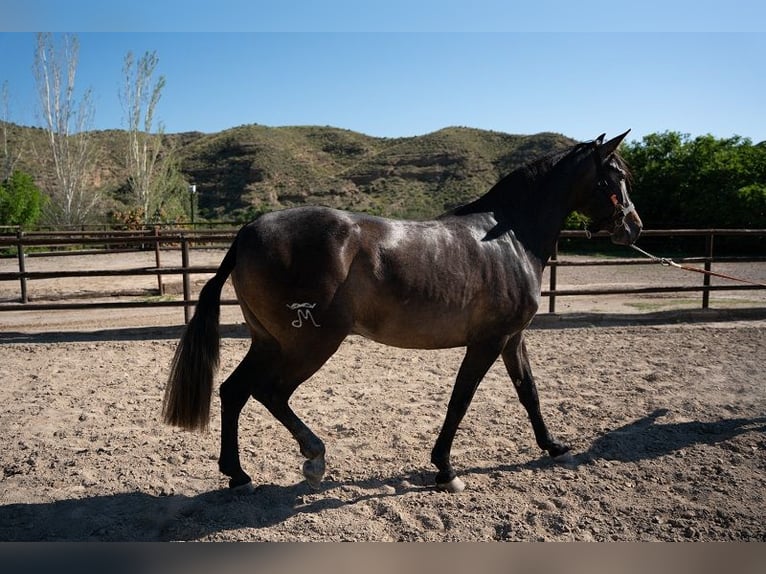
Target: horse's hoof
246 488
313 470
564 458
455 485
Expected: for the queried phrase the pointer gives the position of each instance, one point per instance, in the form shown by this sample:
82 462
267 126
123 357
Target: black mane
526 177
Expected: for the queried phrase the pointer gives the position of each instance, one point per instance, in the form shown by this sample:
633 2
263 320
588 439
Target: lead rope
669 262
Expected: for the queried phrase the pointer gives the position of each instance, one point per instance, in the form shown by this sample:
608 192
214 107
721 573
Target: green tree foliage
21 201
170 201
705 182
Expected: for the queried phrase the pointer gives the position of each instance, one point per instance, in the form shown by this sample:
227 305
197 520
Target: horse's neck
533 203
536 217
544 199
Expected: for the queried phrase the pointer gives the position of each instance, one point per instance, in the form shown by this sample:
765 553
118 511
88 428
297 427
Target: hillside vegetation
249 169
257 168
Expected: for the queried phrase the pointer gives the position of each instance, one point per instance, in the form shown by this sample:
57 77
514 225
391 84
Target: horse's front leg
477 361
517 363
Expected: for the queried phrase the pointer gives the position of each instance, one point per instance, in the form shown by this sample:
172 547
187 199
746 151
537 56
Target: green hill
254 168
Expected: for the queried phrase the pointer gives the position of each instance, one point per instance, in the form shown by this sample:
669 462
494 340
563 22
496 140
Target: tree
21 201
171 195
66 121
703 182
145 159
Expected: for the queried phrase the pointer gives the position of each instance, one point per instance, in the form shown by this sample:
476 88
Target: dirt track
668 422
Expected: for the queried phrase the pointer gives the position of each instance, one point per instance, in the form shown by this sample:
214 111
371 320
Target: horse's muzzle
627 226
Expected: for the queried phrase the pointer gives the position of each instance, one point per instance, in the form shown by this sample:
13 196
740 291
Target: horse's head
608 203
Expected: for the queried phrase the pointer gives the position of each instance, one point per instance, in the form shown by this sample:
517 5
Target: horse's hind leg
517 363
235 392
476 363
258 375
311 446
296 367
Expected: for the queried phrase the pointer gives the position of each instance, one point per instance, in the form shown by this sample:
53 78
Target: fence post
186 281
160 286
708 266
553 266
22 265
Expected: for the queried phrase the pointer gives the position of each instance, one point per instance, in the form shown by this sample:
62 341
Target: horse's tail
190 384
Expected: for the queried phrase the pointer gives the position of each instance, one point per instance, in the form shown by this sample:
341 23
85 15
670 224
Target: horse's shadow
143 517
138 516
646 439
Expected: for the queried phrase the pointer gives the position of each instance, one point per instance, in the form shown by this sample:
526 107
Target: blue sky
408 68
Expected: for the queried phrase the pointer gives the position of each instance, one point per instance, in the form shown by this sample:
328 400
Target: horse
307 277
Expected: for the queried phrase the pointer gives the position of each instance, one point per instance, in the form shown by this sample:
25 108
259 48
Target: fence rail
707 260
161 241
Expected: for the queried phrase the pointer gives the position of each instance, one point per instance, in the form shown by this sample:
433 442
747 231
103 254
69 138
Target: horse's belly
407 337
413 329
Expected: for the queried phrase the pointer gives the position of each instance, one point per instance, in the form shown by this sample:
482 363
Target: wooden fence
707 259
26 244
100 242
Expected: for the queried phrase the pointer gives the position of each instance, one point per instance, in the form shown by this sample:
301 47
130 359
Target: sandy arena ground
664 406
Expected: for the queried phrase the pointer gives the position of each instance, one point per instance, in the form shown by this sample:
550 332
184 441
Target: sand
663 405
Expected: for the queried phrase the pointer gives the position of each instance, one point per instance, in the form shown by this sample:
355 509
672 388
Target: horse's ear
611 146
600 139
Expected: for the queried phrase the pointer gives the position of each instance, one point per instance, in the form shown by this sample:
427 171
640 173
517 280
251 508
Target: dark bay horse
307 277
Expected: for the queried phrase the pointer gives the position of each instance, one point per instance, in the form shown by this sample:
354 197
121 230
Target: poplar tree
146 159
67 121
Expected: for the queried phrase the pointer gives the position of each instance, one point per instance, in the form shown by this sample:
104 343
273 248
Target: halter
621 211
